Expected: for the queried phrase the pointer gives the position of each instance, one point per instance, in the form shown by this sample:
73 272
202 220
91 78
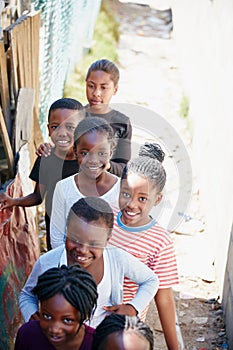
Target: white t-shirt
66 193
104 290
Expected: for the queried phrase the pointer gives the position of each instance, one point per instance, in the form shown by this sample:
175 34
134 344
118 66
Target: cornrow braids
94 124
74 283
118 324
65 103
92 209
106 66
148 165
152 150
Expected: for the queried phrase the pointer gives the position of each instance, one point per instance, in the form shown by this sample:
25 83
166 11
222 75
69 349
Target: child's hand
122 309
108 166
5 201
44 149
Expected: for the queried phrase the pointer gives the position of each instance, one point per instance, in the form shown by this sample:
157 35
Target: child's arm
30 200
164 301
122 309
58 217
146 279
124 264
44 149
28 302
122 153
116 167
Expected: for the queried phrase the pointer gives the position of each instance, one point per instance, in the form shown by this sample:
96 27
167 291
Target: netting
67 28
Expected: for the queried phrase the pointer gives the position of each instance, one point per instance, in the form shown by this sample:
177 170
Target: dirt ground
151 77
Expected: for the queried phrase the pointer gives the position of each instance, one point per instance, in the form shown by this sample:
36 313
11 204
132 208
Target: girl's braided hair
148 164
74 283
119 324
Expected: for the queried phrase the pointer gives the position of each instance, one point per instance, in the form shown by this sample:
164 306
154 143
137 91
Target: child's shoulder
52 255
49 160
113 177
67 180
117 256
152 232
29 328
112 182
160 232
118 117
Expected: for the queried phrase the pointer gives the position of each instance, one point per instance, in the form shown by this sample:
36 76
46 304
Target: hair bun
152 150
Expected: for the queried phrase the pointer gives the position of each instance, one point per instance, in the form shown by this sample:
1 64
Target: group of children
98 204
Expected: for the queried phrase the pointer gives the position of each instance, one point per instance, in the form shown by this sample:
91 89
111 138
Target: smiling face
62 123
93 152
137 197
99 89
125 341
59 320
85 241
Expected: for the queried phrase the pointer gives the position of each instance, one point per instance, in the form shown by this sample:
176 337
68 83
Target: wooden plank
6 144
24 117
35 22
28 54
4 88
19 29
14 61
6 16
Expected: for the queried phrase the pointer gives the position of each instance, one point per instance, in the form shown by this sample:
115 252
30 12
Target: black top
48 171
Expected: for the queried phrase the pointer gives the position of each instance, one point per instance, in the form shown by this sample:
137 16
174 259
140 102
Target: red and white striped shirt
151 244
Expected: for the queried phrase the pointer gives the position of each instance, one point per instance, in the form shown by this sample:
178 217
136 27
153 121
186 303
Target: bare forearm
27 201
164 301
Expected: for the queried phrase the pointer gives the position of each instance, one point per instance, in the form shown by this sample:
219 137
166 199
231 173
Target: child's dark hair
76 285
107 67
148 164
93 124
92 209
65 103
119 324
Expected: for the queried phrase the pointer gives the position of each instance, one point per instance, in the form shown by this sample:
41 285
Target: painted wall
203 31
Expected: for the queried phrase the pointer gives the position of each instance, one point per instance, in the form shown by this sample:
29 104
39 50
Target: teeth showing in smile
55 339
130 213
82 258
93 168
62 142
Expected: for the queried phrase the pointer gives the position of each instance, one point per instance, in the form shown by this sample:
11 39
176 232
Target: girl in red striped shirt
138 233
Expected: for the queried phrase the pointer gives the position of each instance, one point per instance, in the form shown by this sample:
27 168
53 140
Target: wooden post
6 144
4 88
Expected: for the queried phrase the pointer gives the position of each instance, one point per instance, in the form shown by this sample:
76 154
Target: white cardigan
121 264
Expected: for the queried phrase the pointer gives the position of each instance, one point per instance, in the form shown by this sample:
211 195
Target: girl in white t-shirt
93 146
